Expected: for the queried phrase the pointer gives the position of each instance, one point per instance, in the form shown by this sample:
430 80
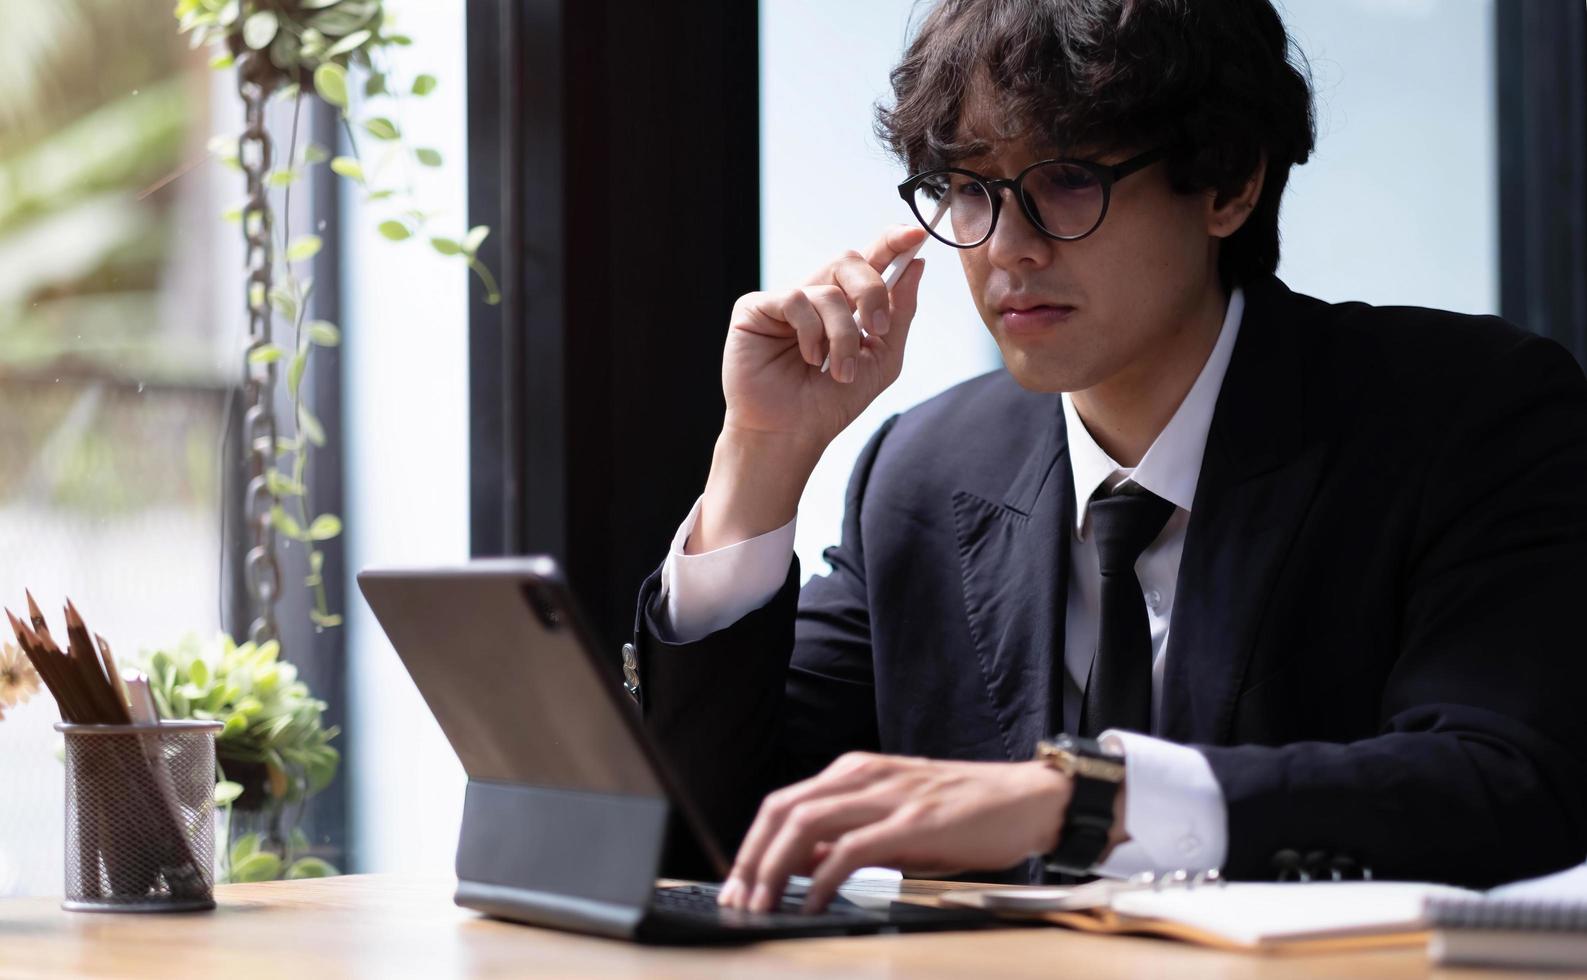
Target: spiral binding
1531 915
1182 878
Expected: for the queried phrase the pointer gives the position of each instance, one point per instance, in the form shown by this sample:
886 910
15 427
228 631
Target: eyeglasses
1065 199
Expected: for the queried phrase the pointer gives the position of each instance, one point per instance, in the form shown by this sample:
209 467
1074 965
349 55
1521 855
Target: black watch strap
1088 822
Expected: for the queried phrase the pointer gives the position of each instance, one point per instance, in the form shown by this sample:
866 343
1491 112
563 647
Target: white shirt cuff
1173 809
703 593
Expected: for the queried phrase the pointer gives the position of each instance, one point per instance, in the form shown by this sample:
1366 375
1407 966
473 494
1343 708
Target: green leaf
222 61
284 301
424 85
395 230
326 621
311 426
259 29
428 157
315 153
323 333
400 40
348 43
161 667
282 485
446 246
281 178
475 237
232 216
259 866
382 195
311 867
284 523
345 17
349 168
325 527
285 53
265 354
300 360
303 247
244 848
382 128
236 724
375 85
228 13
198 672
317 4
330 80
226 791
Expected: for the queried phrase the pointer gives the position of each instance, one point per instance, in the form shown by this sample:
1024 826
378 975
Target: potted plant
274 752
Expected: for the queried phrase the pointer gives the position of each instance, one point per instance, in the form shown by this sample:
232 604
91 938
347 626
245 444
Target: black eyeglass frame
1107 175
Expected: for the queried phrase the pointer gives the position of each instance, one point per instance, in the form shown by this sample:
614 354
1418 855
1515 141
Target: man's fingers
890 350
896 240
846 774
866 292
801 315
874 843
842 336
792 850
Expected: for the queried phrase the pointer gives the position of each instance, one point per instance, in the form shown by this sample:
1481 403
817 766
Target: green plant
273 752
285 46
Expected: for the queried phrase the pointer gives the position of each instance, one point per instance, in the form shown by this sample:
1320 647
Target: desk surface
390 926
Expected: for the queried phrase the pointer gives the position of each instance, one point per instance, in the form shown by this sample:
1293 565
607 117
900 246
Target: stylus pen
895 272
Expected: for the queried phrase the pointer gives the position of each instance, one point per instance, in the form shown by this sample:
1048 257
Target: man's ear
1227 212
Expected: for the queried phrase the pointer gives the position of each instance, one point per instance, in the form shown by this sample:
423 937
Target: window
115 357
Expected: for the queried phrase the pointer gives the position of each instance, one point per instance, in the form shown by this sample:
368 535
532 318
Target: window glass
115 361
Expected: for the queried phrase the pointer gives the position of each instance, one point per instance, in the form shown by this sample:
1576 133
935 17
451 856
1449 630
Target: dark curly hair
1214 79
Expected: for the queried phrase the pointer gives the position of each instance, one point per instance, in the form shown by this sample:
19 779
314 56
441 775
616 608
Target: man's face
1105 306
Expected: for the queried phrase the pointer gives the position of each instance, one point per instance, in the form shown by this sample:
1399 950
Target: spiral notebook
1538 923
1260 917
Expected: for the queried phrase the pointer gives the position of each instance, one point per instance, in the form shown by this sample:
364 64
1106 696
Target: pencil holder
140 830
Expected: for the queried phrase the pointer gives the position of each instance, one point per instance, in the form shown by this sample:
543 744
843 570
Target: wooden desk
394 926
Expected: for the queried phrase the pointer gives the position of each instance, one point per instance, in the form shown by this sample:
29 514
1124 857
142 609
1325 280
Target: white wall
407 464
1400 203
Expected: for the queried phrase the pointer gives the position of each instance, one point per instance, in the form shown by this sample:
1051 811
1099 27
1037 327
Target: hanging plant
290 50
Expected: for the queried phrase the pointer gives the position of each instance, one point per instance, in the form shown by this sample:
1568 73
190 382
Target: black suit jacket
1376 635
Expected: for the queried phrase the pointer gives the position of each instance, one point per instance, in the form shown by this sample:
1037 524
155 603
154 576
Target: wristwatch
1097 775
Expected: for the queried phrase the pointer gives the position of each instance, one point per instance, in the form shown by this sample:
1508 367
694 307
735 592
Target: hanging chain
261 573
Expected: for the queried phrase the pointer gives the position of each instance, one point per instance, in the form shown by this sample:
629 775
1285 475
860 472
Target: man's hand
914 814
782 410
776 341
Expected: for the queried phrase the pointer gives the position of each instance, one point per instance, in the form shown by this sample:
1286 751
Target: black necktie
1119 691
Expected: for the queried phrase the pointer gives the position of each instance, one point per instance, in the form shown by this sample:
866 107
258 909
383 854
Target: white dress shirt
1174 809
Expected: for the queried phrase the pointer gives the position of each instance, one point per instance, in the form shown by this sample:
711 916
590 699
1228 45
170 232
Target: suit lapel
1014 558
1258 477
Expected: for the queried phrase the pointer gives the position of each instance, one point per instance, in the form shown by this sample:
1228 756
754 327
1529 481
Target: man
1300 578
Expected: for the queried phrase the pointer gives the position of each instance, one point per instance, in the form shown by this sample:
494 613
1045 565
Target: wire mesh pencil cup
140 829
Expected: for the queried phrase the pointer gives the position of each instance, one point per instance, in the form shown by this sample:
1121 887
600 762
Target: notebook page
1256 914
1569 885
